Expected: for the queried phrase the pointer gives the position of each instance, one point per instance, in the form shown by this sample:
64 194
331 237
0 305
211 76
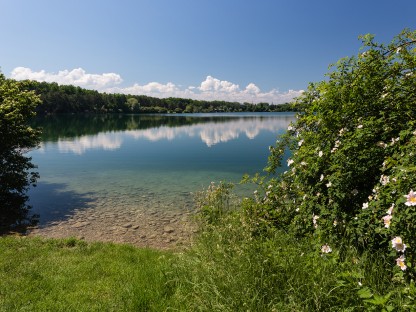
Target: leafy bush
351 172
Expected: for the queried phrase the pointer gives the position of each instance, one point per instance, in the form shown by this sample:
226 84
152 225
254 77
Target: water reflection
210 130
105 141
212 133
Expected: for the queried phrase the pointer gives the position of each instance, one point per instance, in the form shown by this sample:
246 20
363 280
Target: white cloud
150 88
77 77
212 84
252 89
210 89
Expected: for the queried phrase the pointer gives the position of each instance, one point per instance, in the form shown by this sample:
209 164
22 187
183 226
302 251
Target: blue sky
263 50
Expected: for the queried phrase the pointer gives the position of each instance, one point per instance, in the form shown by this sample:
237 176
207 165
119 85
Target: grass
227 269
71 275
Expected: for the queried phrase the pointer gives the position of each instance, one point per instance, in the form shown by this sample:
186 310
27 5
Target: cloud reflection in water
210 133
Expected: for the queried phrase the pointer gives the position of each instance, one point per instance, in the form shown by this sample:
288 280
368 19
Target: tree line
61 99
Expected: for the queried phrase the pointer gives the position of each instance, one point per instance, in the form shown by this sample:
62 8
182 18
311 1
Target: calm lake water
153 161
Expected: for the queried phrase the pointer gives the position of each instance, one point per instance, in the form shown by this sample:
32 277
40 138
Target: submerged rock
168 229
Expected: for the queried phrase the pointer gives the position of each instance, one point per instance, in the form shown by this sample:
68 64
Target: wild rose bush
351 175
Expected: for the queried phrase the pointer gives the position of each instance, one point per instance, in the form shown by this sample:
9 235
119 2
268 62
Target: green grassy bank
71 275
226 270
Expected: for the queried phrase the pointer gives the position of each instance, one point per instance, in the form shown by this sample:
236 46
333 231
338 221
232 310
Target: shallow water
144 163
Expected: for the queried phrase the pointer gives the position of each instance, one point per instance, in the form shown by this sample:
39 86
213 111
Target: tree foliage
17 106
58 99
351 173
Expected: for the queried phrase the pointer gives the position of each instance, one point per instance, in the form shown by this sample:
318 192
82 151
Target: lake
125 166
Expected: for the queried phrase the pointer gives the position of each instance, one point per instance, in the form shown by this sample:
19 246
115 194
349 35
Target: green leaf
364 293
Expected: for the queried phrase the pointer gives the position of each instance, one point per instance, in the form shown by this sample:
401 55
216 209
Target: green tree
17 106
133 105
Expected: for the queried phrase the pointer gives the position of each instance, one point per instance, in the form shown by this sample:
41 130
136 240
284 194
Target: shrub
351 173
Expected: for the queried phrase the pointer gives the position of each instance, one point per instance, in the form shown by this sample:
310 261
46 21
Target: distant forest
61 99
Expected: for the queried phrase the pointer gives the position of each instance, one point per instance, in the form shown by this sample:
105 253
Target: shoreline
147 229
